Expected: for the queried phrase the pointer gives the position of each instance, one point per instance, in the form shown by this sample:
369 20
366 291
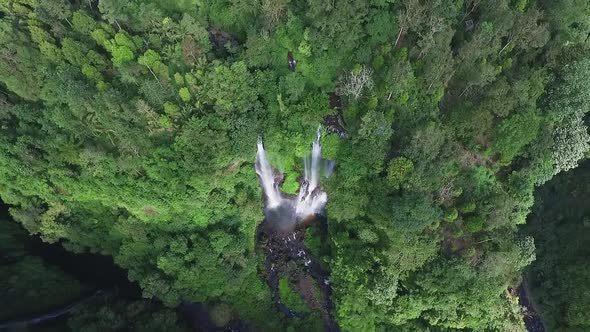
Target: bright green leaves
18 63
289 297
114 10
515 133
570 96
570 21
304 47
199 144
171 109
121 45
83 23
483 181
229 88
39 35
398 170
571 142
18 7
354 312
414 212
382 27
521 5
91 72
190 27
51 229
451 215
374 135
184 94
468 207
121 54
123 39
74 51
77 53
445 108
51 52
452 293
568 103
474 224
151 59
165 122
330 146
291 185
178 79
102 37
368 236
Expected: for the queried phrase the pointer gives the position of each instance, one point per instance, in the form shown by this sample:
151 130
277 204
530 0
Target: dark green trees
559 223
129 129
29 285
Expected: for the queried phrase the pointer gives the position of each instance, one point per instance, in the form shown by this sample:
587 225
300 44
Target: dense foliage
34 291
28 285
128 128
560 223
106 312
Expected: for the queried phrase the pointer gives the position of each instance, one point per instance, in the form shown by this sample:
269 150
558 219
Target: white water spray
310 199
267 178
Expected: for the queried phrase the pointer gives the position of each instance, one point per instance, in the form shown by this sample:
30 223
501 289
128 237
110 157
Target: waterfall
267 178
316 158
309 201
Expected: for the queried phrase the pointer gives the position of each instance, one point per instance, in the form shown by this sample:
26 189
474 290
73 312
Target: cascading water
282 232
310 199
267 179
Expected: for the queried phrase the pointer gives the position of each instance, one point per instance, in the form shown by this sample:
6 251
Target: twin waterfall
310 201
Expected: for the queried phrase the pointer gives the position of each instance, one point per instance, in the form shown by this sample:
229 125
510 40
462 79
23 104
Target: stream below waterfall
281 235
